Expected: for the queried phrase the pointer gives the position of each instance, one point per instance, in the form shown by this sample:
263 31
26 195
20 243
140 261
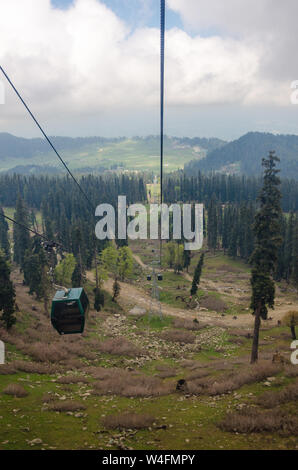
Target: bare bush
234 380
251 420
213 303
272 399
35 367
187 324
44 352
177 336
7 369
291 371
120 347
128 421
15 390
128 384
67 405
73 379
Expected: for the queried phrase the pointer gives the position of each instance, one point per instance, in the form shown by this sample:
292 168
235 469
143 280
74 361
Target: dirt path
132 295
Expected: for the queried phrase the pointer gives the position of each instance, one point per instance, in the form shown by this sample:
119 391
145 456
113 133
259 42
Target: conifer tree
4 240
267 242
197 275
7 294
21 237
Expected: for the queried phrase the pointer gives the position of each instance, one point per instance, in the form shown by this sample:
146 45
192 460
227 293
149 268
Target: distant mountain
98 154
245 155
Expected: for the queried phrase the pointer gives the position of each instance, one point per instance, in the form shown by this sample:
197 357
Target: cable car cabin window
68 316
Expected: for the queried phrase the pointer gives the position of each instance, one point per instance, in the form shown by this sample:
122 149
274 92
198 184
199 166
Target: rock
137 311
35 442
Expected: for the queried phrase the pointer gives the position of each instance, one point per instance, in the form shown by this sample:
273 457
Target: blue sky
134 12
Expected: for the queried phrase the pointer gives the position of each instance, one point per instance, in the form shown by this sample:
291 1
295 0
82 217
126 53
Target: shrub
7 369
177 336
187 324
44 352
67 405
120 347
73 379
128 421
272 399
213 303
35 367
128 384
235 380
251 420
15 390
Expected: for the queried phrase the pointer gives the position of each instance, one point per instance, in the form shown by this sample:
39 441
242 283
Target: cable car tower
156 276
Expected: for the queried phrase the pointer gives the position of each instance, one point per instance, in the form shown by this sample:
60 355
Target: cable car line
162 88
47 138
50 242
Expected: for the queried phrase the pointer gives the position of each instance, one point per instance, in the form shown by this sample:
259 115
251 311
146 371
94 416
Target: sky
91 67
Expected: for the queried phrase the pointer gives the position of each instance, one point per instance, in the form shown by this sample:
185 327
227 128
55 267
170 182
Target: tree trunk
293 332
255 343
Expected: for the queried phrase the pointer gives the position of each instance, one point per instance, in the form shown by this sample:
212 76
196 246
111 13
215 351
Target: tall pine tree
267 242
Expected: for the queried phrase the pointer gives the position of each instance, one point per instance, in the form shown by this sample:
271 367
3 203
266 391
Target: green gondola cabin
69 311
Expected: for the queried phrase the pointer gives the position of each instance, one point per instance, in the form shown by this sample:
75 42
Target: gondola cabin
69 311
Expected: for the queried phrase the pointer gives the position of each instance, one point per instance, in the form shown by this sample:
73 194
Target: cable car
149 278
159 277
69 311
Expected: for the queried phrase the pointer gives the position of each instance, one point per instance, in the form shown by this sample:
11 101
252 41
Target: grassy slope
191 422
135 155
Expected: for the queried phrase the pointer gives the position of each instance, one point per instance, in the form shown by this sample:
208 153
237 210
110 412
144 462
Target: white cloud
85 60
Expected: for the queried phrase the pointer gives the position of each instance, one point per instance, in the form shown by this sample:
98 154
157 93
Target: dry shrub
48 397
291 371
198 374
165 371
79 350
120 347
251 420
35 367
272 399
7 369
73 379
236 340
213 303
177 336
192 365
128 421
16 390
187 324
128 384
242 333
44 352
234 380
67 405
73 364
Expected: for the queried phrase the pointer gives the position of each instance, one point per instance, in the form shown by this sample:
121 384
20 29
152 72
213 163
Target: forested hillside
245 155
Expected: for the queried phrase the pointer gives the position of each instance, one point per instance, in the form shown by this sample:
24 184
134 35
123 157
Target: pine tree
4 239
7 294
197 275
116 290
77 278
99 299
21 237
267 242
